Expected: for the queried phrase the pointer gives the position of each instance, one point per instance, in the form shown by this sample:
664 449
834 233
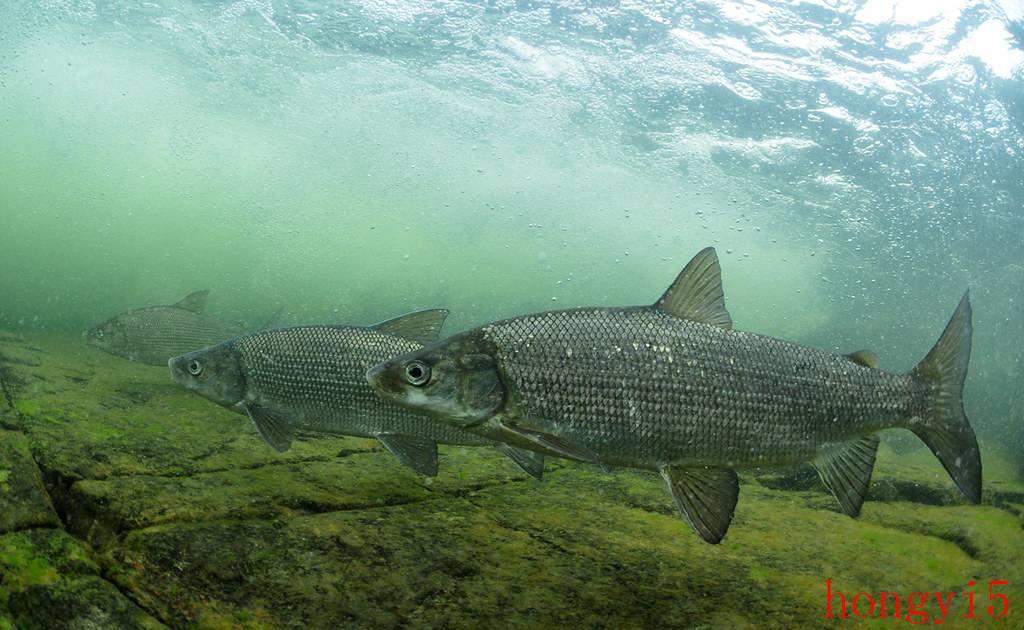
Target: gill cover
464 387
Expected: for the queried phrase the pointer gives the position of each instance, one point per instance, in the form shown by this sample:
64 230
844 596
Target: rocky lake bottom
126 502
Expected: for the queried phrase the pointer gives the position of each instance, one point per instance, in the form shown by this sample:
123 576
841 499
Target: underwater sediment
126 502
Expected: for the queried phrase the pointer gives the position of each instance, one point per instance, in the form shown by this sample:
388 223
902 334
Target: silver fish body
153 334
316 373
659 390
311 377
672 387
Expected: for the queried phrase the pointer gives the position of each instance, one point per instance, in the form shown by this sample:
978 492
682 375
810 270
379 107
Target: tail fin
944 427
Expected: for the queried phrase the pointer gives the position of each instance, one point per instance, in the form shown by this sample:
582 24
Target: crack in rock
5 374
107 576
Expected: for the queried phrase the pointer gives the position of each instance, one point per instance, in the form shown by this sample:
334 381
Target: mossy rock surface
24 502
174 510
102 510
50 580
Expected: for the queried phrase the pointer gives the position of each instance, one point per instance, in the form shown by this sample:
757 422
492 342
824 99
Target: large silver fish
312 377
153 334
673 388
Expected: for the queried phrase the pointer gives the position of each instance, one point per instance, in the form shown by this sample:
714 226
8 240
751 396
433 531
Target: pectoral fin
706 497
274 429
553 443
532 463
846 470
417 453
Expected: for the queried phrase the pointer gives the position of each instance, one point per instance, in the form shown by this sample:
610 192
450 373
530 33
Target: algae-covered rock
23 499
47 580
565 552
100 510
200 524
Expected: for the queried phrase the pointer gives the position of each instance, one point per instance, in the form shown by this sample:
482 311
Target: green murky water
857 165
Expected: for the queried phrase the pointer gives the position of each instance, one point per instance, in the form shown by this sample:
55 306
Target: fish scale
316 373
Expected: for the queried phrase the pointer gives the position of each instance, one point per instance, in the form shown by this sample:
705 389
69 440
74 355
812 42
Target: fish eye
195 368
417 373
99 333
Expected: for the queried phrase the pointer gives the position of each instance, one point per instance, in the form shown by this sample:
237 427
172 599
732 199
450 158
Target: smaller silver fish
154 334
311 377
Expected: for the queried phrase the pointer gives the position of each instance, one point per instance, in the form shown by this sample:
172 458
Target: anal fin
706 496
417 453
846 471
532 463
273 428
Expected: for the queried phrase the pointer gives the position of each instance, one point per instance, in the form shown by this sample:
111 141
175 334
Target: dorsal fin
420 326
195 302
865 358
697 292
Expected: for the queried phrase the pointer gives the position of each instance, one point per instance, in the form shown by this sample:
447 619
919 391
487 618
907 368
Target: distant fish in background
154 334
311 377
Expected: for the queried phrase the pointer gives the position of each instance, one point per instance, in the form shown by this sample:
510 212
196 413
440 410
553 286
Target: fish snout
176 366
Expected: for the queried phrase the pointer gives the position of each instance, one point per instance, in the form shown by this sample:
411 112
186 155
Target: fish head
109 336
457 381
214 373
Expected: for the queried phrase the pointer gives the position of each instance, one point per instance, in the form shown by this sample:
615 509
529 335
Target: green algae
49 580
24 501
27 407
558 551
